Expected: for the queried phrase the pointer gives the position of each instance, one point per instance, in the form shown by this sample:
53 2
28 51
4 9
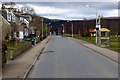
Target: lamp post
42 28
50 31
49 28
46 30
72 28
63 29
96 21
84 27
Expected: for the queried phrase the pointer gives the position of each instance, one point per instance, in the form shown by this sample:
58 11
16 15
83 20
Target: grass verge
114 42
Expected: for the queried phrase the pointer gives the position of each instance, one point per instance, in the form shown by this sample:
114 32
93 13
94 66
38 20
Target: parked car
27 39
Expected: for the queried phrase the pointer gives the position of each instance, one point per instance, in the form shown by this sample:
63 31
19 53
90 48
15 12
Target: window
17 34
9 16
13 17
4 13
22 20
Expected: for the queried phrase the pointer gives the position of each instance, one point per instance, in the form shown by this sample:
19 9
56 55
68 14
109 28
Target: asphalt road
64 58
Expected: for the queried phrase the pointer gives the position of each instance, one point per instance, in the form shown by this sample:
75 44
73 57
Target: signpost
98 34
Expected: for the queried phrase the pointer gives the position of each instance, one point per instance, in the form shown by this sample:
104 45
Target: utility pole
72 28
49 28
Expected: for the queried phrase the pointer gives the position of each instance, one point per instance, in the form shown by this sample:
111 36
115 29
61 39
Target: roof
105 29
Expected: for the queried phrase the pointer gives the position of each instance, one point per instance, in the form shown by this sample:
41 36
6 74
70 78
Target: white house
25 23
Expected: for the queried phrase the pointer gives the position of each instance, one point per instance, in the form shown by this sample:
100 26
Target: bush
85 33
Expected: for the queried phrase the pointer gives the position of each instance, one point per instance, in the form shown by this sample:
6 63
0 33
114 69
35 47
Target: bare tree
27 10
10 4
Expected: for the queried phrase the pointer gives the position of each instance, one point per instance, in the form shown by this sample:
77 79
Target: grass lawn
12 46
87 39
114 42
66 36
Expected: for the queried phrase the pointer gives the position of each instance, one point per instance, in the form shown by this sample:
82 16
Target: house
20 23
25 23
27 20
14 23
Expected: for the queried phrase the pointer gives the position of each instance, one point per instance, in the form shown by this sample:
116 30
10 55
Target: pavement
103 51
20 67
64 58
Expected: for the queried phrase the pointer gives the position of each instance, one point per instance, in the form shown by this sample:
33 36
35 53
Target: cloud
49 10
60 0
113 13
74 10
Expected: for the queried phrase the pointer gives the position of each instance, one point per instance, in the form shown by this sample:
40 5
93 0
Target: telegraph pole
72 29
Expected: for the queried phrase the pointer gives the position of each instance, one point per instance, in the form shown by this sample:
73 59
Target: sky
73 10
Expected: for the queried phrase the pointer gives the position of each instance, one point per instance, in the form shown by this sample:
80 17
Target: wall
6 28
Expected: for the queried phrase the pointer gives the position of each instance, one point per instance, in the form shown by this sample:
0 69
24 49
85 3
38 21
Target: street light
96 11
63 29
46 30
42 28
49 27
50 30
96 20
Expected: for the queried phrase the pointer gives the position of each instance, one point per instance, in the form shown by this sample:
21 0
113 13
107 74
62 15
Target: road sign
98 27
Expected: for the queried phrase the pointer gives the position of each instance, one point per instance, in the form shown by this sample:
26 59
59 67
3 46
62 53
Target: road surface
64 58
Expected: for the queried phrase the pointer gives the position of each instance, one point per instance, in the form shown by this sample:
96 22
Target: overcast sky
73 10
